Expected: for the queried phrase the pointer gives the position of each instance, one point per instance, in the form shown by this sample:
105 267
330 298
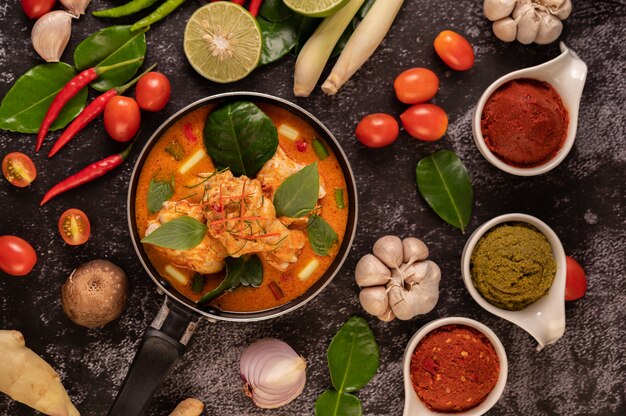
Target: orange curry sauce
161 166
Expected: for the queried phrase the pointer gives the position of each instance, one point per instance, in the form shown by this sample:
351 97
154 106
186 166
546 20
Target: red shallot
273 373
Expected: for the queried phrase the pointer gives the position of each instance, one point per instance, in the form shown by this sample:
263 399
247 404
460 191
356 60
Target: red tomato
153 91
122 118
74 227
17 257
18 169
454 50
426 122
37 8
377 130
575 281
416 85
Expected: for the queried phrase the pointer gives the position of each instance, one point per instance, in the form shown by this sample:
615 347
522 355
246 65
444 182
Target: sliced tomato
17 256
575 280
74 227
19 170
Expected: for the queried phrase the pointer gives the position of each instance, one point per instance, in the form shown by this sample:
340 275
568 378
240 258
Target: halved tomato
19 170
74 227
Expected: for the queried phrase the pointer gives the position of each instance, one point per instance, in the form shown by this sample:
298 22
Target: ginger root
27 378
188 407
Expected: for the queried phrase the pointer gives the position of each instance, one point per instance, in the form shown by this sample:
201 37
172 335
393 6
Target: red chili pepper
88 174
92 111
239 2
254 7
188 131
70 89
276 290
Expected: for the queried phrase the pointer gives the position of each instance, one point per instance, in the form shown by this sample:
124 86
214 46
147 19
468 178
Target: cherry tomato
575 281
377 130
18 169
416 85
454 50
17 257
37 8
153 91
74 227
426 122
122 118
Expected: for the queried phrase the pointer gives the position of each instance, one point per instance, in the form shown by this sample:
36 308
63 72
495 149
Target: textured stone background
583 200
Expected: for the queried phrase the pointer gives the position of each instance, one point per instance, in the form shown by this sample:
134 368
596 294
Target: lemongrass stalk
317 50
363 42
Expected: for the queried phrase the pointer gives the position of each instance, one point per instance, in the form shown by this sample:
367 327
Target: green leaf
182 233
275 11
332 403
158 193
239 136
353 356
278 38
321 235
444 183
297 195
239 272
26 104
110 46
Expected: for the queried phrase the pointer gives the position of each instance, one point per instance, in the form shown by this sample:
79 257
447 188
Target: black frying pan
165 341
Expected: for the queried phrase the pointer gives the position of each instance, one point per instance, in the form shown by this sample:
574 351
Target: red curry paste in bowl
524 123
454 368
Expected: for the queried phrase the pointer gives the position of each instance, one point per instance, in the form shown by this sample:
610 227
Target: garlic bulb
51 33
273 372
76 6
527 21
410 288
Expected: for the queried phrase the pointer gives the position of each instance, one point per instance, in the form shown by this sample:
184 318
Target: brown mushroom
95 293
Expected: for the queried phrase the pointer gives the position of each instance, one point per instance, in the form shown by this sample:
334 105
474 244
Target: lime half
223 42
315 8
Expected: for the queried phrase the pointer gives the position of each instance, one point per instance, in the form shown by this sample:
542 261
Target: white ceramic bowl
413 405
544 319
567 74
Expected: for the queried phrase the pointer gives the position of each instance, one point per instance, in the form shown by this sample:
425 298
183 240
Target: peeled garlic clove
550 29
413 249
528 27
76 6
51 33
374 300
371 272
505 29
498 9
389 250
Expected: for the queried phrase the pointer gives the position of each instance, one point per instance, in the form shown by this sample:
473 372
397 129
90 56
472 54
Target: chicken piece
279 168
244 221
205 258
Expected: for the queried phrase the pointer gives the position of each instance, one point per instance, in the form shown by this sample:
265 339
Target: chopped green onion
320 150
339 198
197 285
175 150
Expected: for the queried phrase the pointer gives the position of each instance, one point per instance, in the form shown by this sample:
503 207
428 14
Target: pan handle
162 346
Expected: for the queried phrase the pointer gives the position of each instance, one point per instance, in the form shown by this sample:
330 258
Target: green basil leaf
26 104
297 195
275 11
239 272
444 183
332 403
198 282
353 356
182 233
158 193
239 136
110 46
364 9
278 38
321 235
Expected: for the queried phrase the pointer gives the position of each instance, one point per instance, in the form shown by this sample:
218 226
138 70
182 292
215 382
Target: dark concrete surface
583 200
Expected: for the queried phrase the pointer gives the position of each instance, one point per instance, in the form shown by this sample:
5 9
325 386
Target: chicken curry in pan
241 207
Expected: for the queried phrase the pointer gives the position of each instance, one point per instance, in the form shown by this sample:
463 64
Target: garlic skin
389 250
77 7
528 21
374 300
51 33
413 250
371 272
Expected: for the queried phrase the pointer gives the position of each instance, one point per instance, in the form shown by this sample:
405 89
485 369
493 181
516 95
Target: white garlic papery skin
505 29
76 6
51 33
528 26
498 9
388 249
550 28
